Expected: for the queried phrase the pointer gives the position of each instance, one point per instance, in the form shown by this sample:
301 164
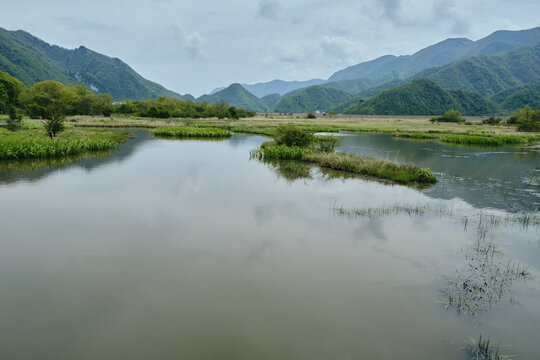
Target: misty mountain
312 98
439 54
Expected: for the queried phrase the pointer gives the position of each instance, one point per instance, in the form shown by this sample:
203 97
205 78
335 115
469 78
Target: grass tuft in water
191 132
485 350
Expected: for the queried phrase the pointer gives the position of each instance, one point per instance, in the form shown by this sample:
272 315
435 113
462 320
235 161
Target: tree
14 121
291 135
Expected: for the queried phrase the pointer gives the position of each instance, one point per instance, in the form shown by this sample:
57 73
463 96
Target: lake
170 249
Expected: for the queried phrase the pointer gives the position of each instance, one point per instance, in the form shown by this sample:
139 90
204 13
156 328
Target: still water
189 250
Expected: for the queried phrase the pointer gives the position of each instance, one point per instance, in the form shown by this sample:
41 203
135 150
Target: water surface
189 250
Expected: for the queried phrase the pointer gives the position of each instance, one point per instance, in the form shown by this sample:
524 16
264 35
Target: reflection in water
188 250
487 275
33 170
497 178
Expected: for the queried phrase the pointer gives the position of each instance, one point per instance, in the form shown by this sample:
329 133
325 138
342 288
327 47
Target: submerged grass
484 350
191 132
487 275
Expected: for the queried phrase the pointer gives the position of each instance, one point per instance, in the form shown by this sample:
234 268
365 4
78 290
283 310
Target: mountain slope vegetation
236 95
32 60
423 97
518 97
312 98
439 54
489 75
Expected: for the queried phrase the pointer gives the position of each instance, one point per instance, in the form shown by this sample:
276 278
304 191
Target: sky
196 46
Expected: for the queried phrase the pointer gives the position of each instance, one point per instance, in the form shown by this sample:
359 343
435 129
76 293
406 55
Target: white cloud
269 9
191 42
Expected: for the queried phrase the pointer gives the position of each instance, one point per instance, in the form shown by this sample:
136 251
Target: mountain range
498 73
389 67
31 60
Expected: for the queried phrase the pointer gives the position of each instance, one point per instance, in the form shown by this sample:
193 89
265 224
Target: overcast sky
195 46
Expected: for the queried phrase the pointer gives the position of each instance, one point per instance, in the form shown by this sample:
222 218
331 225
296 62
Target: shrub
311 115
450 116
492 121
53 126
291 135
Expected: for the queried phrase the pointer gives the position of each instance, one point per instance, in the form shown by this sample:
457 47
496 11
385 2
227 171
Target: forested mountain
518 97
439 54
312 98
271 101
236 95
488 75
30 59
424 97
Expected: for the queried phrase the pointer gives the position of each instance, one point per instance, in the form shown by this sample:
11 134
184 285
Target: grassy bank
191 132
351 163
34 144
470 138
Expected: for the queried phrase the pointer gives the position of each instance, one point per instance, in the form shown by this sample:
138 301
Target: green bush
450 116
291 135
528 119
492 121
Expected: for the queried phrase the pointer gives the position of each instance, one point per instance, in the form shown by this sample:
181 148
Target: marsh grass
485 350
191 132
474 138
487 276
33 144
279 152
12 149
367 166
51 163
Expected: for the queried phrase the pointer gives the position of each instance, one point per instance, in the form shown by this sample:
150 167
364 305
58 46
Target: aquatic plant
187 132
382 169
494 140
484 350
280 152
45 148
487 275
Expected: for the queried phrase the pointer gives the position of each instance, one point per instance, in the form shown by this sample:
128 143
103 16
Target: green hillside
237 95
518 97
271 101
423 97
442 53
312 98
489 75
32 60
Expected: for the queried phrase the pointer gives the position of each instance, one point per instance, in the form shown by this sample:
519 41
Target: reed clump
382 169
47 148
295 143
494 140
191 132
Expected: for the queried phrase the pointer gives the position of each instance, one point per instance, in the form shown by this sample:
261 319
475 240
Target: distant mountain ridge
31 60
439 54
236 95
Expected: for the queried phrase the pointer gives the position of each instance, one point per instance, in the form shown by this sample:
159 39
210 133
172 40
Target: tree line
52 101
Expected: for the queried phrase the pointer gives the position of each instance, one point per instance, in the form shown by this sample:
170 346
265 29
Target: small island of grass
191 132
36 143
292 143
